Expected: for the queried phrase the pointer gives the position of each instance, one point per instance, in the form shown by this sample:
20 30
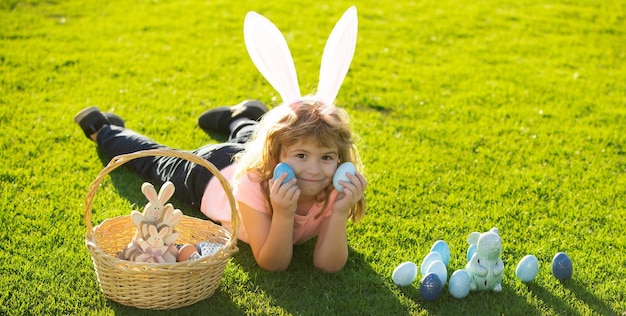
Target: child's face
313 165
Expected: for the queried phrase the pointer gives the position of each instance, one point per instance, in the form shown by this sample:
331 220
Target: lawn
470 115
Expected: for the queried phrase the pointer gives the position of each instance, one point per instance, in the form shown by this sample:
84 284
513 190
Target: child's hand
284 196
352 192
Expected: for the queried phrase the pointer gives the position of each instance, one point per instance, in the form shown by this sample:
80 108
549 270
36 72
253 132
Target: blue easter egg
527 268
443 249
340 174
404 274
439 268
282 168
430 258
470 252
430 287
459 284
561 266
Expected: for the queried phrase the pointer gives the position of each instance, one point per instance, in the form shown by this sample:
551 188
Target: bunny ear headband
269 51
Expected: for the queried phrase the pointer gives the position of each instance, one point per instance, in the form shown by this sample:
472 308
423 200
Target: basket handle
118 161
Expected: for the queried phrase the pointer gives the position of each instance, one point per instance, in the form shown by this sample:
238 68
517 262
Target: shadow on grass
483 303
593 302
306 290
558 305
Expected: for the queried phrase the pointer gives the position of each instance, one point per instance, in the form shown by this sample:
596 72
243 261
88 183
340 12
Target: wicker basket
164 285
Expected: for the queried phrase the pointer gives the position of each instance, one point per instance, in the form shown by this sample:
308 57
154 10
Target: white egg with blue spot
340 174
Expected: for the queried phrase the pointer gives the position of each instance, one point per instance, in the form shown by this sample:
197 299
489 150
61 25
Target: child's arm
271 236
331 249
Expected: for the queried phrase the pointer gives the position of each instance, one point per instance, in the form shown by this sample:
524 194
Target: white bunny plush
269 52
486 267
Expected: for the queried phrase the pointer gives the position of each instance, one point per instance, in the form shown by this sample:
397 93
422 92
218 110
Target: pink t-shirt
215 206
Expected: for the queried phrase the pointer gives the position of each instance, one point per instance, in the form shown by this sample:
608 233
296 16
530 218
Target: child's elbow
328 266
273 267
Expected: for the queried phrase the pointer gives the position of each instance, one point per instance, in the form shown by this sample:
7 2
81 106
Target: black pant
189 178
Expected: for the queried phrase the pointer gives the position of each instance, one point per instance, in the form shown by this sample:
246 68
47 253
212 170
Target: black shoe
219 119
91 120
114 119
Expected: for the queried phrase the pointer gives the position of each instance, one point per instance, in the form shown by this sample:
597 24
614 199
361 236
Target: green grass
471 115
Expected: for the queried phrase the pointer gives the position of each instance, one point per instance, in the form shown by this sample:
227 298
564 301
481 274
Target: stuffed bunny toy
269 52
485 267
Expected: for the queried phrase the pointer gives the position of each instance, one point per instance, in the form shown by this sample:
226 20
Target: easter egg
188 252
282 168
443 249
404 274
438 268
430 287
206 248
340 174
527 268
561 266
430 258
470 252
459 284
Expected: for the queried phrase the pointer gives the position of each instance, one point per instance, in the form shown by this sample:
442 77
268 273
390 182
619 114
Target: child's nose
314 167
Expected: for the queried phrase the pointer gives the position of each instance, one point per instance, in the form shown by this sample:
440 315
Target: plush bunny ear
337 56
269 52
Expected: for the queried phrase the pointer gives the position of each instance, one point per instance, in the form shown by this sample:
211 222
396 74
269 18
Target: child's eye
301 156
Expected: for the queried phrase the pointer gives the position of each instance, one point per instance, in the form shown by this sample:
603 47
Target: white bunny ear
337 56
268 50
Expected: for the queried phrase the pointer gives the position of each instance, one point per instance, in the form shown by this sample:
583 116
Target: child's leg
189 179
197 177
115 140
243 131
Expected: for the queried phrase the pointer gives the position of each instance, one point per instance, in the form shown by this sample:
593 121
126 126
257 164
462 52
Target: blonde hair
306 120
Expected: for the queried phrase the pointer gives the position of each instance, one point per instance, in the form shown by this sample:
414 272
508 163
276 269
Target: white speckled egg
340 174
